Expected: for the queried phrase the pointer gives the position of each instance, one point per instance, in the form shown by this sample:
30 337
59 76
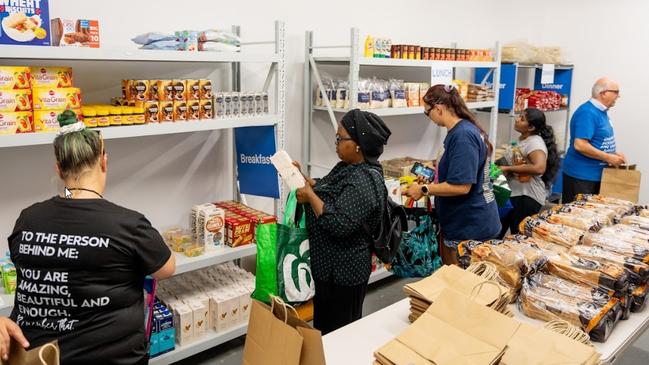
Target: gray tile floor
379 296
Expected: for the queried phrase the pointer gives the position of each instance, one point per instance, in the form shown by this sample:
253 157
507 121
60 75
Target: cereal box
211 221
15 122
54 99
15 100
166 111
52 77
193 89
180 90
14 78
140 90
193 110
165 90
75 32
207 109
238 231
205 86
25 23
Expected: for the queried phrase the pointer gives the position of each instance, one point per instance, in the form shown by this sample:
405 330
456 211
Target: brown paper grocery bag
312 349
47 354
270 341
621 183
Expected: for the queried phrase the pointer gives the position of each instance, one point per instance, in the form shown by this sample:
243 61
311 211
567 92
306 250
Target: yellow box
166 111
51 77
165 90
14 78
193 110
15 100
15 122
180 111
141 90
45 120
151 111
180 90
205 87
55 99
193 89
207 109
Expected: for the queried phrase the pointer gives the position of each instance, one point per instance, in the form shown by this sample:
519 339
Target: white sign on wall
441 75
547 73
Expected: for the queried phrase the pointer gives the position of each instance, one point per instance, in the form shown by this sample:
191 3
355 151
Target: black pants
573 186
524 206
336 306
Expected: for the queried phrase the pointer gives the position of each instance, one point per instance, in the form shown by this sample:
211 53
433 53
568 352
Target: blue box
25 22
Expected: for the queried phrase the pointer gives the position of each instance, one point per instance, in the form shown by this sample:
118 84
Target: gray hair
599 87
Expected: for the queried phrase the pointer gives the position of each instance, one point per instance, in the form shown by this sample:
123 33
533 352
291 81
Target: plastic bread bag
534 259
397 94
146 38
214 35
643 213
621 207
556 233
548 248
603 218
638 297
548 298
464 250
615 245
637 271
342 94
627 233
583 223
509 262
377 95
363 101
636 221
589 271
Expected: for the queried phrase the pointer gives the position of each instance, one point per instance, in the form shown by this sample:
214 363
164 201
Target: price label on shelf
547 73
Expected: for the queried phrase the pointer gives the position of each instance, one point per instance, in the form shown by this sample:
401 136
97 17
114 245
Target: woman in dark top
353 193
81 262
464 199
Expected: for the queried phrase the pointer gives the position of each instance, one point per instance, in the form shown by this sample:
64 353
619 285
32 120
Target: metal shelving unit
354 62
277 71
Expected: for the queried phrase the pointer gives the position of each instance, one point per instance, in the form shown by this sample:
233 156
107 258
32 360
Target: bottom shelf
209 340
379 274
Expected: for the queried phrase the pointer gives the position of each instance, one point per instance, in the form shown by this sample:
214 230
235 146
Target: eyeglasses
340 139
427 112
616 92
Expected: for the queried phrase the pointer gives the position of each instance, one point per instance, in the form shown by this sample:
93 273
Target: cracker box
15 100
55 99
25 22
51 77
15 122
180 111
205 86
165 90
193 89
238 231
45 120
180 90
207 109
14 78
75 32
166 111
193 110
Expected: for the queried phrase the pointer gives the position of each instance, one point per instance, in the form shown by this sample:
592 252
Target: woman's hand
304 194
414 192
309 180
506 170
9 329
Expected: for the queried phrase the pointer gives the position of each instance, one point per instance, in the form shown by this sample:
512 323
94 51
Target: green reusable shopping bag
294 281
266 277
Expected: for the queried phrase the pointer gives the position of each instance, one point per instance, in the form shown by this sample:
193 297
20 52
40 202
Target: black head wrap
368 131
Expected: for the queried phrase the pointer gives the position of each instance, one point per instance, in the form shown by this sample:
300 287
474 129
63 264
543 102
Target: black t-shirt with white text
80 266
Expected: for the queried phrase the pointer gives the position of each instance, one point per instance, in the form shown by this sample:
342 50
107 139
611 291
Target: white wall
163 176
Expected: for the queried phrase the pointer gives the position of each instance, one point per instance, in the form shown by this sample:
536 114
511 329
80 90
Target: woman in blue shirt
464 199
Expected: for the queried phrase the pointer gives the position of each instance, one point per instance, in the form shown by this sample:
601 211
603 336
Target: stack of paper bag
550 348
451 277
453 330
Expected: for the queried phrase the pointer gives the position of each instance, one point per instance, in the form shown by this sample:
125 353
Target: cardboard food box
151 112
193 89
51 77
14 78
45 120
193 110
205 89
180 111
25 23
207 109
211 224
179 90
238 231
166 111
15 100
15 122
219 105
55 99
141 90
75 32
165 90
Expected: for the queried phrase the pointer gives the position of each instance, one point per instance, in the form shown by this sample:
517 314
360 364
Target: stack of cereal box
216 298
241 222
32 97
163 332
169 100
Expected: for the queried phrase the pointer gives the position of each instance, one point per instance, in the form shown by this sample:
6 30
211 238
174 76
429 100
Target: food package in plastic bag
412 94
146 38
639 297
589 271
518 52
342 95
217 47
548 248
507 260
639 252
397 94
637 271
556 233
377 96
548 298
621 206
636 221
643 212
364 91
604 217
548 55
583 223
628 233
329 91
219 36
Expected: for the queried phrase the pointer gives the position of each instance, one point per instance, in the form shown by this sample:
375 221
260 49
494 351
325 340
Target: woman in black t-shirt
81 262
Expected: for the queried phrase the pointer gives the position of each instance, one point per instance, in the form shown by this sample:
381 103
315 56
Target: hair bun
66 118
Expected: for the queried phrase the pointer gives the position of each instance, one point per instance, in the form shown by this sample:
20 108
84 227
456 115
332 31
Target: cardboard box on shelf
15 100
14 77
45 120
54 98
51 77
15 122
75 32
25 23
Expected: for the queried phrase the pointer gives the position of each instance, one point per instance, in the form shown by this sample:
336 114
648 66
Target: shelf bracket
325 98
270 76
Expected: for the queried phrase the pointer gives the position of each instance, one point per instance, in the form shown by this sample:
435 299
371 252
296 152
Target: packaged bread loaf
589 271
604 218
581 222
638 272
508 261
556 233
636 221
627 233
639 252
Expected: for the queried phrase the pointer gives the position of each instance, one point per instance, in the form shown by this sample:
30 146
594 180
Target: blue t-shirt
591 124
475 215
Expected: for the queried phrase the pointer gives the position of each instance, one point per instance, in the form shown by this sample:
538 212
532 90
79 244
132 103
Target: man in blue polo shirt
592 142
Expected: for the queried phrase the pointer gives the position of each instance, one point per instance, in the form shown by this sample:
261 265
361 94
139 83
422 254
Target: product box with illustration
25 22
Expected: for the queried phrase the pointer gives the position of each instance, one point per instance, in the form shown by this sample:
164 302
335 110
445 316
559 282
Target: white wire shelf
152 129
209 340
143 55
218 256
409 63
386 112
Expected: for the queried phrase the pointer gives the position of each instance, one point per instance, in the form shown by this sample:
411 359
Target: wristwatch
424 190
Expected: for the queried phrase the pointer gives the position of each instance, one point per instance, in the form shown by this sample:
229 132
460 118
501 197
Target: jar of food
103 115
115 115
127 115
138 114
89 116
